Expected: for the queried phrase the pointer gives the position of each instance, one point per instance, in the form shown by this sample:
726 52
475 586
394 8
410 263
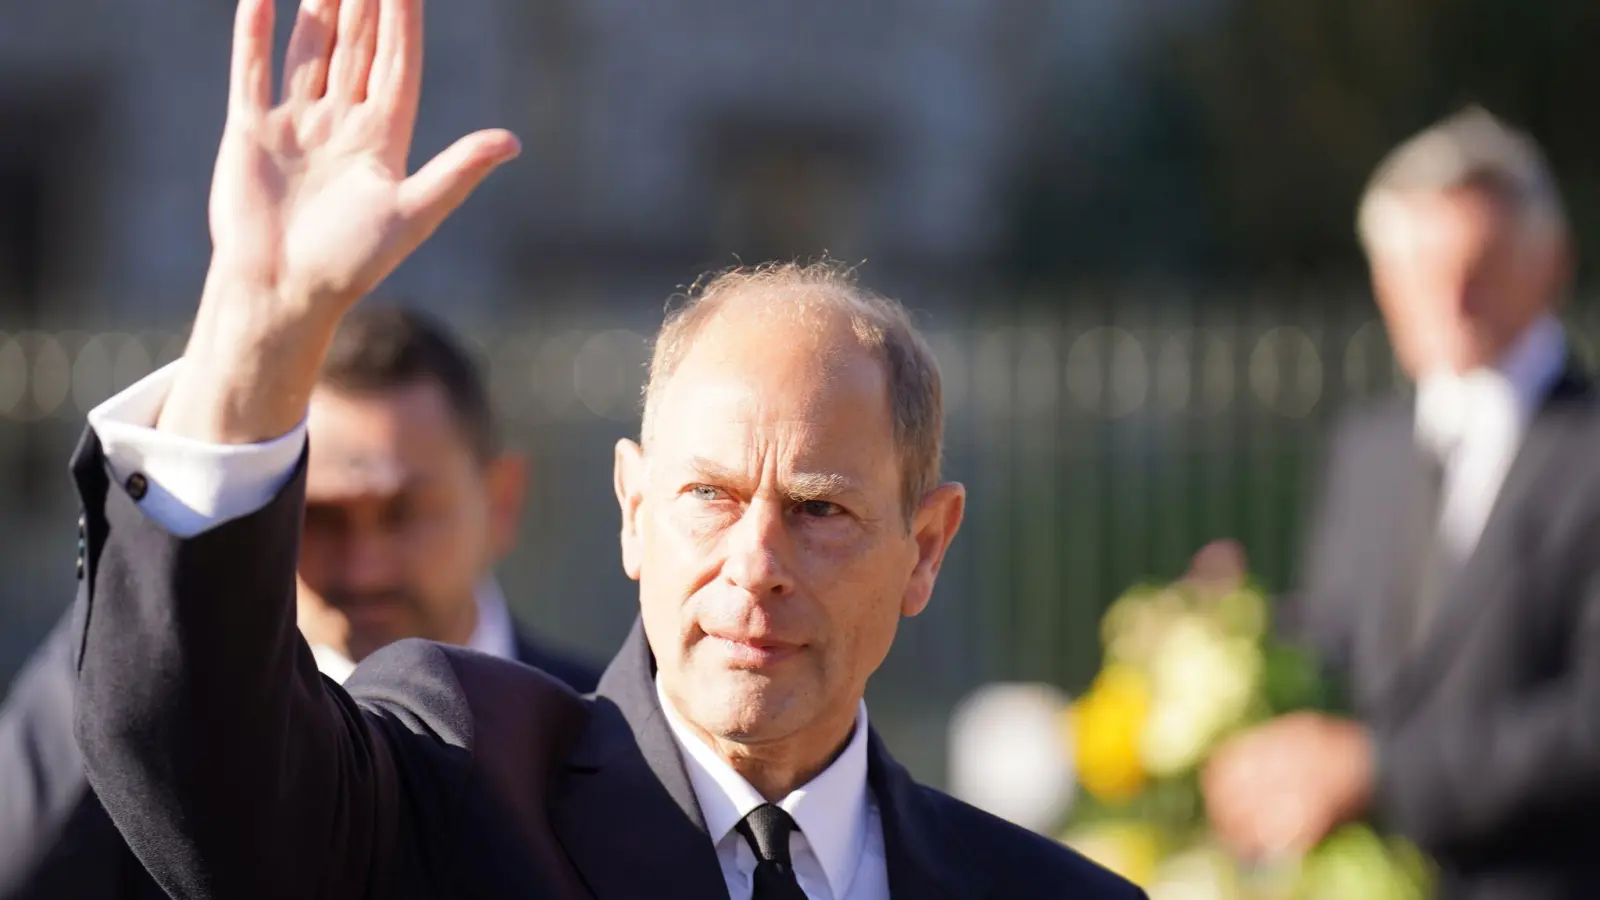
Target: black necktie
767 829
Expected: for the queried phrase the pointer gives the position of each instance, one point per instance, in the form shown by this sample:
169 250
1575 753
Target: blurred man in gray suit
1454 580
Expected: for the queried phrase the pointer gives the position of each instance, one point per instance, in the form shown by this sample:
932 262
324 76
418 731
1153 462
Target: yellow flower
1108 732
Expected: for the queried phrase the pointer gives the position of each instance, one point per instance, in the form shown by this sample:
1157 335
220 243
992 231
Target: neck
779 768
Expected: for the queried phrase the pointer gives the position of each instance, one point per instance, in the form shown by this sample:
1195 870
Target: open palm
310 201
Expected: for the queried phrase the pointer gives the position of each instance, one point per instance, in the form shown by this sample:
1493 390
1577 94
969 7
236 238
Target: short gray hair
879 324
1470 147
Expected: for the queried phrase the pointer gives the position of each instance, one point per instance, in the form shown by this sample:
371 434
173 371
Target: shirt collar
1513 386
494 634
831 809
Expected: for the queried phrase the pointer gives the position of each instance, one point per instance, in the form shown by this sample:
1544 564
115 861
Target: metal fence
1102 442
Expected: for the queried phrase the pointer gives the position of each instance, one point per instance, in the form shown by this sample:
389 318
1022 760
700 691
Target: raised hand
311 207
310 197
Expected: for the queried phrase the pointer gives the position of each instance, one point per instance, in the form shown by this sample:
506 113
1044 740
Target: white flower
1202 682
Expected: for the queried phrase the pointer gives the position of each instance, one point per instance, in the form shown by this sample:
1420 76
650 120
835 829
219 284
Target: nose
369 562
757 547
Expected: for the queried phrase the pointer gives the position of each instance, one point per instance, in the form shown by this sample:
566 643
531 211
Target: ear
629 481
507 480
933 527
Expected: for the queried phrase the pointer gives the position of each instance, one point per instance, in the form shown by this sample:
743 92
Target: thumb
438 188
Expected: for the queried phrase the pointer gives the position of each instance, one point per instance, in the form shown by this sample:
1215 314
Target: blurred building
661 138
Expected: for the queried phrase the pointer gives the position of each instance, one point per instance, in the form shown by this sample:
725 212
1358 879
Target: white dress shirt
195 486
838 849
1476 422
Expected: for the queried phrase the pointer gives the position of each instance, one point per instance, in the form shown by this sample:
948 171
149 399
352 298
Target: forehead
758 382
1464 214
372 442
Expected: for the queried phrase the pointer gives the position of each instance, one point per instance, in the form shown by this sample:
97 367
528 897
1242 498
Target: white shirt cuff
190 486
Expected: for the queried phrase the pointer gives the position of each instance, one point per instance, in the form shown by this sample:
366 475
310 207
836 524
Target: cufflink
137 486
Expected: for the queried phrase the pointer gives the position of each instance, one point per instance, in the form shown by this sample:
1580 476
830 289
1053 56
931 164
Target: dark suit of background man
781 513
1454 576
410 500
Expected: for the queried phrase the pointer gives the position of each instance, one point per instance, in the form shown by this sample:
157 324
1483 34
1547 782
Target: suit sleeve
231 767
1457 777
54 839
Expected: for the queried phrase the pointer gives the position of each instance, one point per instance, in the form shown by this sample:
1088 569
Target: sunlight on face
774 559
1462 281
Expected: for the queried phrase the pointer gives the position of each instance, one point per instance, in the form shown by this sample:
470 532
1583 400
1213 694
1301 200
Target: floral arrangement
1186 666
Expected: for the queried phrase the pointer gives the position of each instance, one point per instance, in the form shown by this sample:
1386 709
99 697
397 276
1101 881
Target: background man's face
1463 283
402 520
773 558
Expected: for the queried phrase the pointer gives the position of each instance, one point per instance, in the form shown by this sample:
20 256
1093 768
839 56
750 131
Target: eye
820 509
705 493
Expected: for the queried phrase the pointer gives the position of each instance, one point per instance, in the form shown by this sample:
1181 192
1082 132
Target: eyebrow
797 485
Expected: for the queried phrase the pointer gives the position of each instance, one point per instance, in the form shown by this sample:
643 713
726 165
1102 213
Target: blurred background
1128 226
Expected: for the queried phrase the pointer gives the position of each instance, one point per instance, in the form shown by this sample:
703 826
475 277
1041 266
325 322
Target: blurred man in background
1454 578
410 501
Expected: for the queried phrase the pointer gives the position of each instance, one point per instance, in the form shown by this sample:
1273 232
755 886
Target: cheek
441 561
688 528
312 565
836 552
859 594
682 550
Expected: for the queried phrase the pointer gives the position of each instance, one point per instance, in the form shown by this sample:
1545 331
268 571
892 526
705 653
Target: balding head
784 512
747 307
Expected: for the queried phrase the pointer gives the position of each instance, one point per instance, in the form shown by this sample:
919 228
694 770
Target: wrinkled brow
801 486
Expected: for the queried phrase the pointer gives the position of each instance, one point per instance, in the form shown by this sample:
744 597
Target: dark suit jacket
235 771
56 840
1488 731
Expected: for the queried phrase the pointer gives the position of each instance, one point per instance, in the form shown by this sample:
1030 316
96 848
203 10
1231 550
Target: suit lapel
920 855
625 811
1381 618
1489 573
627 816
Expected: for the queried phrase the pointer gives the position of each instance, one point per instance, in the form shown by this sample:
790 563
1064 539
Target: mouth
371 611
751 651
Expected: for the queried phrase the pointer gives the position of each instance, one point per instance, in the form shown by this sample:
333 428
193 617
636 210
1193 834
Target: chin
741 706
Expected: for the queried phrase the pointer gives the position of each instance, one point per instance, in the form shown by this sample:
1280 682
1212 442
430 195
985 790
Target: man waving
781 511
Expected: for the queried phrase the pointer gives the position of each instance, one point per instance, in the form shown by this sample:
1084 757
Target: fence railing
1101 444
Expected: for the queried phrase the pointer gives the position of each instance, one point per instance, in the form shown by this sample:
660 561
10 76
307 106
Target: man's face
1463 282
765 526
402 520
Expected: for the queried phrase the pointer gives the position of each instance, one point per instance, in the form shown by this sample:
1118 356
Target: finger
250 77
305 66
439 187
352 50
396 76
